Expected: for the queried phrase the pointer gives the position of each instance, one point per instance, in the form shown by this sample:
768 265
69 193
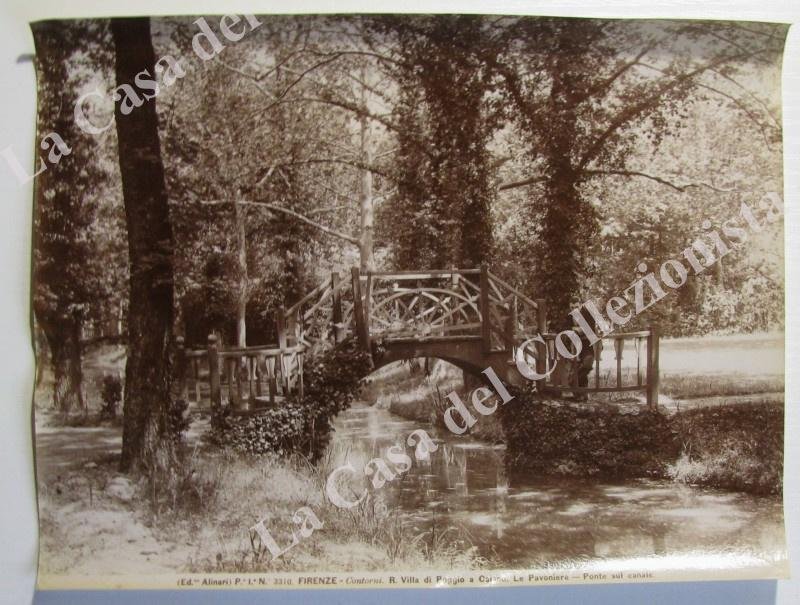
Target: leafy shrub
332 381
600 441
111 394
735 447
279 430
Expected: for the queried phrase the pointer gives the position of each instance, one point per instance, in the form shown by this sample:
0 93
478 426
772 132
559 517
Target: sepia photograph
407 300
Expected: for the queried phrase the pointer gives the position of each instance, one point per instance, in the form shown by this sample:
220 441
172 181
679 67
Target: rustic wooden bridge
470 318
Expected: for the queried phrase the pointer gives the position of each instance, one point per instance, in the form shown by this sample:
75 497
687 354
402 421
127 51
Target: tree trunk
147 440
63 339
243 290
568 221
365 238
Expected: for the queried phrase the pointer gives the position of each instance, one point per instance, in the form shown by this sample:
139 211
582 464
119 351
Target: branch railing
413 305
511 316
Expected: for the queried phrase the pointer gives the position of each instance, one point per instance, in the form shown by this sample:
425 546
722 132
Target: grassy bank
736 446
368 536
682 386
93 517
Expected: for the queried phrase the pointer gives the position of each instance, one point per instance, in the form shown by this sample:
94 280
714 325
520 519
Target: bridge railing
618 377
465 304
413 305
324 314
246 378
419 305
510 317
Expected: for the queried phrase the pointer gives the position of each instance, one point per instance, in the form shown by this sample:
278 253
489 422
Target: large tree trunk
63 340
147 440
568 221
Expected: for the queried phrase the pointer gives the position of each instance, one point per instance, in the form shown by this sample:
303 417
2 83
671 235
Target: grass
238 492
737 447
693 386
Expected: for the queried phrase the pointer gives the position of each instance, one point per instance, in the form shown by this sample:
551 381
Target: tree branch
682 187
523 183
301 217
630 113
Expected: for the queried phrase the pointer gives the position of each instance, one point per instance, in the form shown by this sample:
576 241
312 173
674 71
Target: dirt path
89 517
60 450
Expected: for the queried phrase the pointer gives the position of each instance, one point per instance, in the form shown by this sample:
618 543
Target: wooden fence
247 378
643 344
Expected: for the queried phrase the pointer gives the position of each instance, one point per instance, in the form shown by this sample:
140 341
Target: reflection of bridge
470 318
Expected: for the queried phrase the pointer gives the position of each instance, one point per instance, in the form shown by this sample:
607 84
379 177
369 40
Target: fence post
215 393
652 368
180 368
541 347
358 310
511 325
367 307
290 325
336 314
300 386
280 323
486 328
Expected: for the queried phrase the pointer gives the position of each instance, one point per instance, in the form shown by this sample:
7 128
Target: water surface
464 488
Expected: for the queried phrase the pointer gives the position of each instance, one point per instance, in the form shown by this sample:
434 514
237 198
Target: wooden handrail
513 290
421 274
610 336
296 306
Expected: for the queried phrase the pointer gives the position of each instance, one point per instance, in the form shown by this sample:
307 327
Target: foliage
276 431
70 275
735 447
600 442
594 102
739 446
441 214
332 381
111 394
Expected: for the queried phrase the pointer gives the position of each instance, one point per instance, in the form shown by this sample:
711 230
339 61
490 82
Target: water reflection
531 521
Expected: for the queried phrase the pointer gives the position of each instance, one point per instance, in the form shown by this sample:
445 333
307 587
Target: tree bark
147 441
367 209
243 290
63 339
366 233
568 221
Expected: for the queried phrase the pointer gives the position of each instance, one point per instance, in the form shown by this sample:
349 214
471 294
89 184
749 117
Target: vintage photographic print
407 300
